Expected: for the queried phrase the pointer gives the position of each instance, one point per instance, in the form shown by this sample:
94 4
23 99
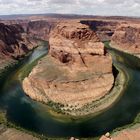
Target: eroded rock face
74 40
75 73
14 41
127 38
14 44
40 29
104 29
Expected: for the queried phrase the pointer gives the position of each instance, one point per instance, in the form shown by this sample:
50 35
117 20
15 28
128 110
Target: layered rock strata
76 72
127 38
104 29
14 43
40 29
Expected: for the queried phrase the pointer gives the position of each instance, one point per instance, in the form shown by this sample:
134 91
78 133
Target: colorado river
34 116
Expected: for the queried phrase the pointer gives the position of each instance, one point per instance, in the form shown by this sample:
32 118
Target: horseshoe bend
76 72
69 76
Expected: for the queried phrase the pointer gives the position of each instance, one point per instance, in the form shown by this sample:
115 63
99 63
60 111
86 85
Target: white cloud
91 7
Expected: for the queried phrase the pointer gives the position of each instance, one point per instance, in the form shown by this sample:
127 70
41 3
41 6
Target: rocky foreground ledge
13 134
76 72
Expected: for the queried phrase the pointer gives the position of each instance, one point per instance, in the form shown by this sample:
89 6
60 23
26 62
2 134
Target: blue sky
87 7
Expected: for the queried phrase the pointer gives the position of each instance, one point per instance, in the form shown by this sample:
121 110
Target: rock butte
77 70
127 38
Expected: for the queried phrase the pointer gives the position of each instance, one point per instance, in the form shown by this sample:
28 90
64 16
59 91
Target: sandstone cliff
104 29
127 38
76 72
14 44
14 41
40 28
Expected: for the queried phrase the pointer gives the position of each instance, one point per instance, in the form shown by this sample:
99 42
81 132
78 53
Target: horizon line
69 14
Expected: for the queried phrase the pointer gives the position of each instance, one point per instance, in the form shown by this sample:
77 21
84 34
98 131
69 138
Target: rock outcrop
40 29
76 72
14 41
14 44
127 38
126 134
13 134
104 29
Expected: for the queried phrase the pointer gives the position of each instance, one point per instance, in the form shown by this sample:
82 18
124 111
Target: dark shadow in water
20 111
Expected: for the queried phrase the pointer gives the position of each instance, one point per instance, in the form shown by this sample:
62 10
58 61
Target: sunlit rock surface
77 70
